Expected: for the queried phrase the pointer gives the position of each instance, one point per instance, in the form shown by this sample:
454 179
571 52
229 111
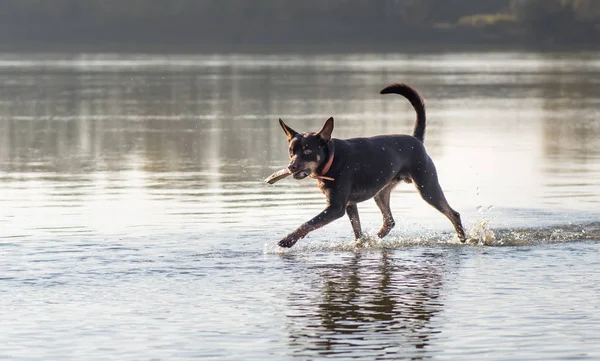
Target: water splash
370 241
480 234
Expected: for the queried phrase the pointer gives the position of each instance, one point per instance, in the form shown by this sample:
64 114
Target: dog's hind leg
382 199
352 211
427 184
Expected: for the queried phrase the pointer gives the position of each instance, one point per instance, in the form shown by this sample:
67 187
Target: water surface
134 223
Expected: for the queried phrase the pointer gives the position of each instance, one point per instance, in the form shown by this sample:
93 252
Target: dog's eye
307 151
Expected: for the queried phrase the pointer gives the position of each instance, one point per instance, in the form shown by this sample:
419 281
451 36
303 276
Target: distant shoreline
287 26
429 47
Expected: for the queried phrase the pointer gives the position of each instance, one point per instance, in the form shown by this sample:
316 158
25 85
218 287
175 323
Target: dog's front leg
330 214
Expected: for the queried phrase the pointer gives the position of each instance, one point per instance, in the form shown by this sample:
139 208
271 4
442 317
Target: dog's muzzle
301 174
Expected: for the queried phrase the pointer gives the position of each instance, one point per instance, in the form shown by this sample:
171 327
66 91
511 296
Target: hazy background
135 223
309 25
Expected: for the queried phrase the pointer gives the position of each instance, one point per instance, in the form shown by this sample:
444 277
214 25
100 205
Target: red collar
326 168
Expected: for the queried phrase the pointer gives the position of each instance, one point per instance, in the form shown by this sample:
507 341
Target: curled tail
416 100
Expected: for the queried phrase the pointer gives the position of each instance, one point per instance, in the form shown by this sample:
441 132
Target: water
134 223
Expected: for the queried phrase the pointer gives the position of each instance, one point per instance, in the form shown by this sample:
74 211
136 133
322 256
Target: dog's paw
293 237
287 242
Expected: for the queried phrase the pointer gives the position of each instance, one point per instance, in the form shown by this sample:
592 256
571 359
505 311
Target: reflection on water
171 142
372 306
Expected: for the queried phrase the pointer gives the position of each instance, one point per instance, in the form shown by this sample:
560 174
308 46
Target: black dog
350 171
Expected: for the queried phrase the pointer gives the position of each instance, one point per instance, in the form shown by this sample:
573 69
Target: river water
135 225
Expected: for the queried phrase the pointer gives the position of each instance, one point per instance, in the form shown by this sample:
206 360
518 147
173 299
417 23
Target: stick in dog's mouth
277 176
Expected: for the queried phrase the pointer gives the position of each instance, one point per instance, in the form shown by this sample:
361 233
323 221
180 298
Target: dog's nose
293 167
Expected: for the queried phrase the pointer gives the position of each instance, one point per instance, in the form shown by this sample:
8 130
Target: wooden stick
279 175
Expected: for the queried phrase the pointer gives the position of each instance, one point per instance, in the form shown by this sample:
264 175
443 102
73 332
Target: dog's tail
416 100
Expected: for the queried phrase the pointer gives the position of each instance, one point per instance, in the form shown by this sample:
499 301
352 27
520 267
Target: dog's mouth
301 174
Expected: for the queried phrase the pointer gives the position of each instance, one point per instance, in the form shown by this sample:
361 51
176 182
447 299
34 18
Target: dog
350 171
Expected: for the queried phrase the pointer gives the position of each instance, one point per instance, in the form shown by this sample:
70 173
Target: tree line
229 24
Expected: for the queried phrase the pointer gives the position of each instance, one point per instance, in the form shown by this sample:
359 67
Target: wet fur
365 168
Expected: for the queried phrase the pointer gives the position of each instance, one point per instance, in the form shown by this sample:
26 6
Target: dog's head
308 150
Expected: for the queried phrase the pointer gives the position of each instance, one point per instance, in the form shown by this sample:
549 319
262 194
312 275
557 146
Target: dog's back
369 164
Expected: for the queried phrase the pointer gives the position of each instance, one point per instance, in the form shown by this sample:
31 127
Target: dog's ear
289 132
325 132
